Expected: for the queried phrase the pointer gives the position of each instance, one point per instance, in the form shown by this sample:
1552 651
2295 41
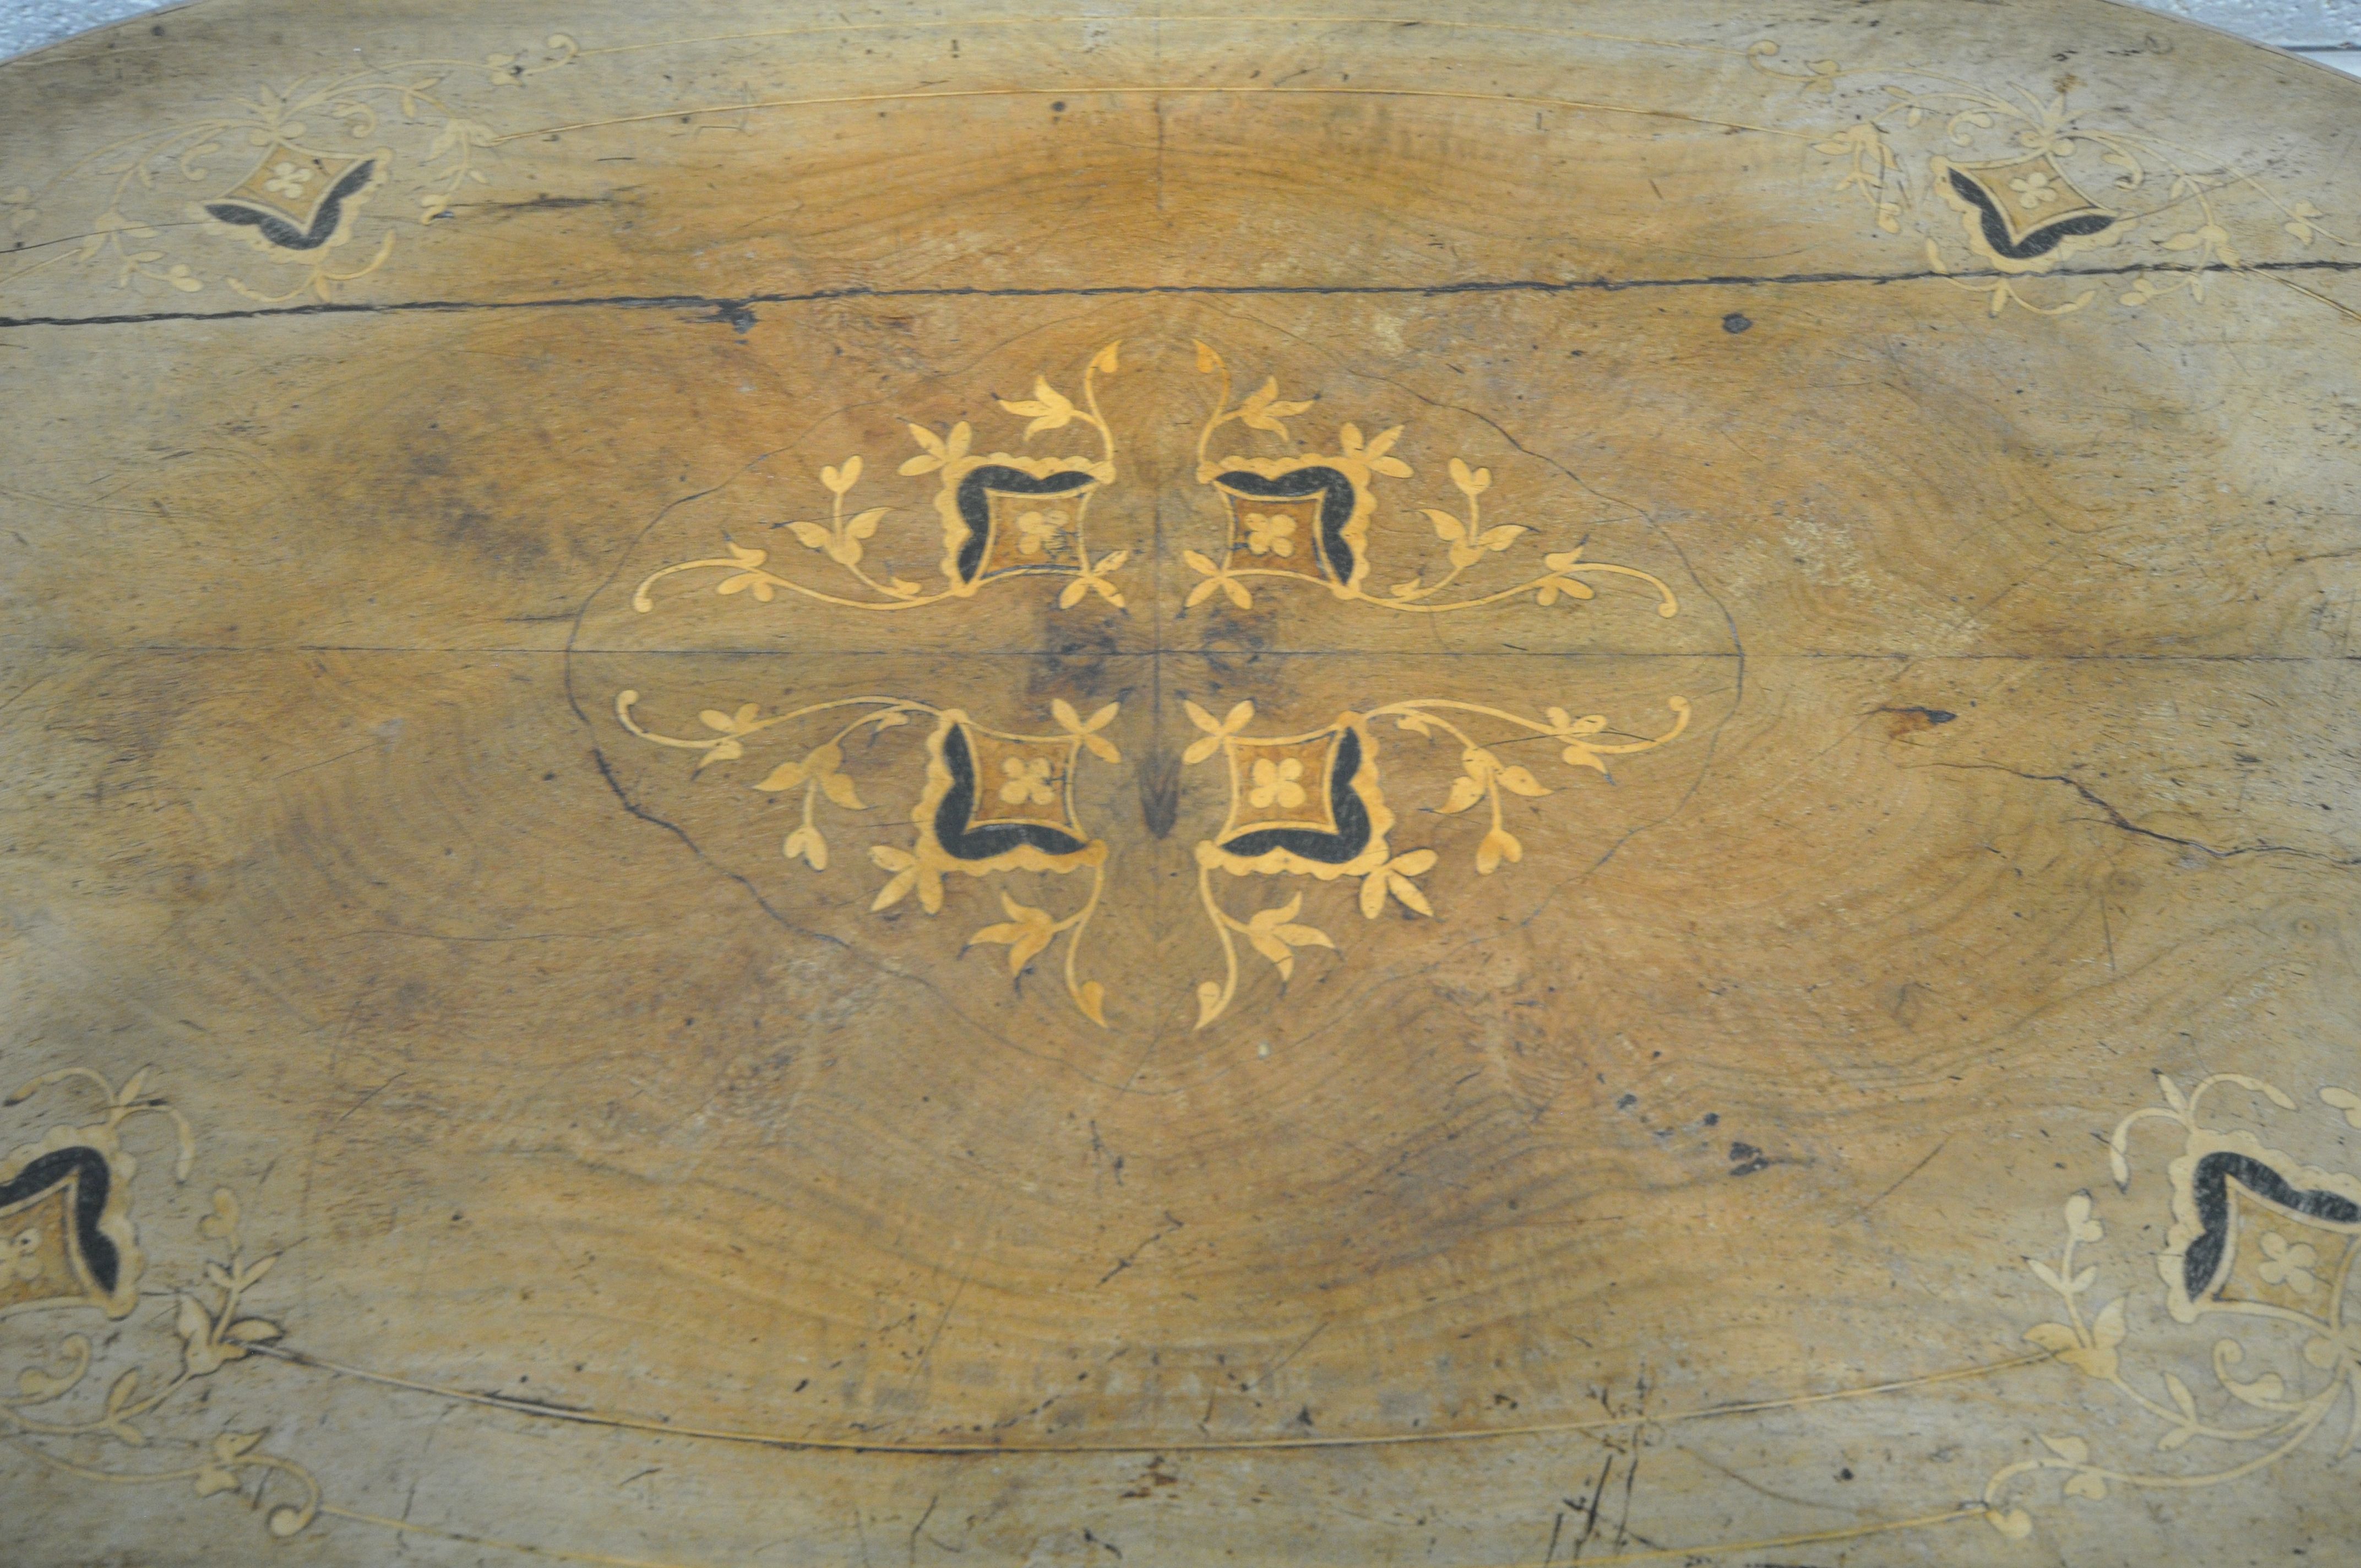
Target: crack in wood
737 311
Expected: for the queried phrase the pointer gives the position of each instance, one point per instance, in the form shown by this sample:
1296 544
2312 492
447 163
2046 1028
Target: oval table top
1525 785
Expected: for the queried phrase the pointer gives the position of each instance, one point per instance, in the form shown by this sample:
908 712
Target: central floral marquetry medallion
1330 536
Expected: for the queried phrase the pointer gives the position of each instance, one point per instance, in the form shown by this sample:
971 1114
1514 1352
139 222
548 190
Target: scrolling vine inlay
1307 804
1003 515
1306 516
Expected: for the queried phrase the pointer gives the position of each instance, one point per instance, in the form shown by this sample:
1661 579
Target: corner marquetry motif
2029 183
286 172
2260 1244
69 1249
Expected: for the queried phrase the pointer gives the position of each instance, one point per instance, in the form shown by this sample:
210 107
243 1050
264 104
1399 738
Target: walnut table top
1486 785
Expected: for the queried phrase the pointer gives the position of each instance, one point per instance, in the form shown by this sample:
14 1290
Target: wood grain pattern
1516 787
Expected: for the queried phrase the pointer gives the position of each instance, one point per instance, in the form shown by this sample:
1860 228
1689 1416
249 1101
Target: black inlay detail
2042 241
1352 834
2210 1187
975 507
990 838
90 1200
286 235
1335 493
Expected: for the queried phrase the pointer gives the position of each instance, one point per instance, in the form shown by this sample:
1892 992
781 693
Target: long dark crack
736 310
2115 818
